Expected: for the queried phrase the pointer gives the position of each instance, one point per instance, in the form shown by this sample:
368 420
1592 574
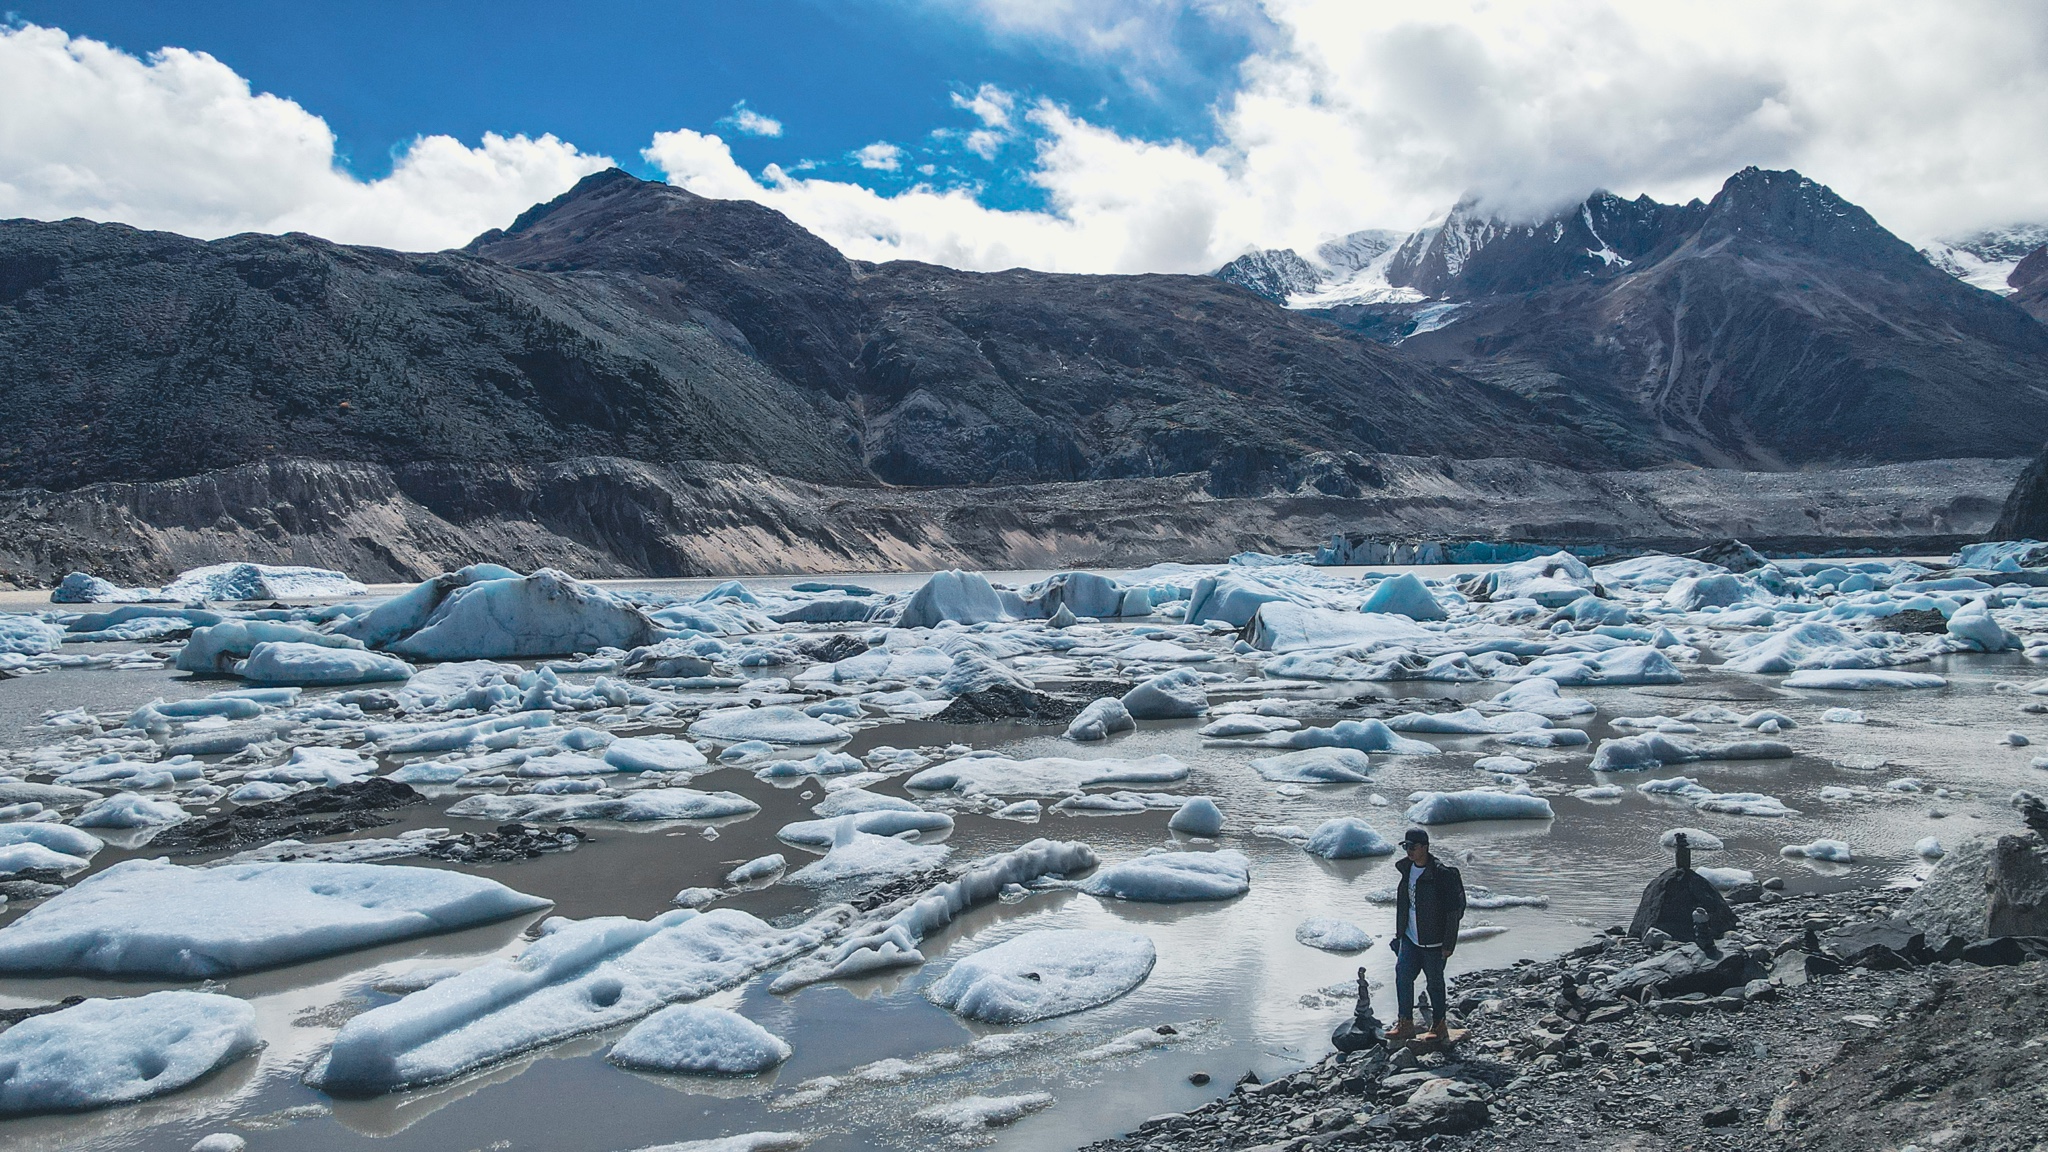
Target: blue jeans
1412 959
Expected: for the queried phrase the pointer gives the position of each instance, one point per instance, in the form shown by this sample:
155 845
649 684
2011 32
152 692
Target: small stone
1722 1117
1199 1079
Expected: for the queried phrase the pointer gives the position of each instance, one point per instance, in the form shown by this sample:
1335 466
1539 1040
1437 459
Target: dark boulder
1671 899
1881 944
2005 951
1684 970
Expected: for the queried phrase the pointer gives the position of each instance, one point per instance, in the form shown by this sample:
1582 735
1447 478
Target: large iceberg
149 918
1404 595
1046 973
408 612
104 1052
581 976
953 597
544 614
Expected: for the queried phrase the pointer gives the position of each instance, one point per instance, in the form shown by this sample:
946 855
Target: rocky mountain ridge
1776 325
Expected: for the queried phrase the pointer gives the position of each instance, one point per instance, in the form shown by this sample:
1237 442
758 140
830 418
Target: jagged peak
609 182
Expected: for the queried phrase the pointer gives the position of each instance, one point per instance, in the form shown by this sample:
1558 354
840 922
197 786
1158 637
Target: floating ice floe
28 636
1466 722
1832 851
1357 735
1698 839
581 976
216 582
1045 973
1346 838
1172 877
952 597
1552 581
701 1039
1169 696
971 1114
861 856
1332 935
129 810
1863 680
1539 694
1810 644
148 918
775 724
637 806
1725 879
100 1053
1198 817
1315 766
1707 800
485 612
1654 750
653 754
1045 776
888 821
219 649
1476 804
1627 665
1100 720
293 662
892 942
1283 627
1404 595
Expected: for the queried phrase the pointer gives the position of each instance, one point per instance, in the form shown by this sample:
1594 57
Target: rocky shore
1820 1021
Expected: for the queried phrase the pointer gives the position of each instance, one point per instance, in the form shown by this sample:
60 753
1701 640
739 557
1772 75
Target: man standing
1427 908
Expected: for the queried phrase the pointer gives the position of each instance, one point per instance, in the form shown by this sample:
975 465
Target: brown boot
1403 1029
1438 1031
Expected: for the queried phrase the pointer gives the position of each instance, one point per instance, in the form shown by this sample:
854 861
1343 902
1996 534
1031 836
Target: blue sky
1065 135
608 74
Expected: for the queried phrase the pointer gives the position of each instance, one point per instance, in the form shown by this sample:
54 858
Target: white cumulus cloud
881 156
179 142
752 123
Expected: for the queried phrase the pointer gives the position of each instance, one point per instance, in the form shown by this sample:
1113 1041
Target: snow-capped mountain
1275 273
1986 259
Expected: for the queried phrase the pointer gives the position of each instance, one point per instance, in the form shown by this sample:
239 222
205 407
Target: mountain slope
1776 326
637 320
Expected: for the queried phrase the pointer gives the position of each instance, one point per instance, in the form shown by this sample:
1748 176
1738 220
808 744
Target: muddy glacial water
1239 990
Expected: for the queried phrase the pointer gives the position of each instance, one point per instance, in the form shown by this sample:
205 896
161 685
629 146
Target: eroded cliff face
607 516
2024 515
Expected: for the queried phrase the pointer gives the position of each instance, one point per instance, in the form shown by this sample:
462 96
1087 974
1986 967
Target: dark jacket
1439 902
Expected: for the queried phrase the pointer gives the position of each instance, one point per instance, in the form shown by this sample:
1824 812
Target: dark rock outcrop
2029 283
2025 515
315 812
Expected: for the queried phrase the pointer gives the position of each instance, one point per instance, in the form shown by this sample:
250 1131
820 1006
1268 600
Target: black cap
1415 836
